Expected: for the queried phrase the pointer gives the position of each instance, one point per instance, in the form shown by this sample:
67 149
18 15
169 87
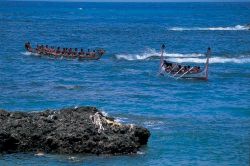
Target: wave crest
235 28
183 58
212 60
152 54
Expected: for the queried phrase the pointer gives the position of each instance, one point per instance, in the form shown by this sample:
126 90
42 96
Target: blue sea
191 122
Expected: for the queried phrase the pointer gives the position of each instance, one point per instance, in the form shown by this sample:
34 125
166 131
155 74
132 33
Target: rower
167 64
42 49
164 64
37 48
185 68
88 53
58 51
188 68
53 51
100 51
49 50
66 52
178 69
81 52
75 52
28 46
198 69
70 52
46 49
62 52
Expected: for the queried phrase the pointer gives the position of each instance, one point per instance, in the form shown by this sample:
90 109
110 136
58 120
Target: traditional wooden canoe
178 71
87 56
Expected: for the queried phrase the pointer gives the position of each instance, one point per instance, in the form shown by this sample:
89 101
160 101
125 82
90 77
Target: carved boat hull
96 56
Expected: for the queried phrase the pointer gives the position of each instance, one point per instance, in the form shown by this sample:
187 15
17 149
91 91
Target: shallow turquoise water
191 122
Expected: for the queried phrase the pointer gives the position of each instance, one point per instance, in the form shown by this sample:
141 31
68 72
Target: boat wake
26 53
30 53
151 54
235 28
183 58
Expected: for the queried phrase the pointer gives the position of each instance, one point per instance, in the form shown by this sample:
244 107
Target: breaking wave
121 120
26 53
235 28
182 58
152 54
212 60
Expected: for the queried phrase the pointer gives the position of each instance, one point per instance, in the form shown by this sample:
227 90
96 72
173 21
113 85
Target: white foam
104 113
153 123
143 56
140 153
120 120
235 28
39 154
212 60
26 53
230 60
150 53
182 58
72 158
131 57
29 53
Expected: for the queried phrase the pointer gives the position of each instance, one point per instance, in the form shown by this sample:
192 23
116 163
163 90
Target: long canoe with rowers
45 50
178 71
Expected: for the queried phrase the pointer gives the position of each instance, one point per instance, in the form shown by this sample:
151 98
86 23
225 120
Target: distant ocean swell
234 28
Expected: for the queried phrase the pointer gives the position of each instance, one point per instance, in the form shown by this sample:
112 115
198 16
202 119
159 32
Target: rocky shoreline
68 131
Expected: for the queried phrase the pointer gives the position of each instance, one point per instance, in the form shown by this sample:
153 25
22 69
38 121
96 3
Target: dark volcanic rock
73 130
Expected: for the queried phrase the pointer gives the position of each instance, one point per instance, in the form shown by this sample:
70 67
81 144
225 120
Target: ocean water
191 122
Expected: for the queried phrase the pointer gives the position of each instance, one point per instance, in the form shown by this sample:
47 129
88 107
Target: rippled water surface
191 122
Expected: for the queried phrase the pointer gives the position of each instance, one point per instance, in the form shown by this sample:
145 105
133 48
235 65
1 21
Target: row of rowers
67 52
176 68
